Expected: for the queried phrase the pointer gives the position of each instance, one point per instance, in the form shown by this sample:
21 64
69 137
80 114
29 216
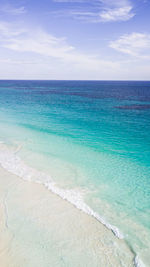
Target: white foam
12 163
76 199
138 262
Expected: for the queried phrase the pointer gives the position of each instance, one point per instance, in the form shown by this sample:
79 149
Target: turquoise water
93 137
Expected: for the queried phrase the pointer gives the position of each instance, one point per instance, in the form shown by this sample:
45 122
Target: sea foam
138 262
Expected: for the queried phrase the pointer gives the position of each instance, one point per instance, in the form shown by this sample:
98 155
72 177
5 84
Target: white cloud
35 54
12 10
98 10
8 30
44 44
117 14
134 44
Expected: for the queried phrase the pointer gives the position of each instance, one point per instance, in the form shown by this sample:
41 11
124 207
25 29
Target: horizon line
92 80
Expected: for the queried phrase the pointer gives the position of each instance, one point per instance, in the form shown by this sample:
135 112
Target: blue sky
75 39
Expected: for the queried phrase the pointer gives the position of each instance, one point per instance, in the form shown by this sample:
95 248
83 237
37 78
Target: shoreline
34 211
15 165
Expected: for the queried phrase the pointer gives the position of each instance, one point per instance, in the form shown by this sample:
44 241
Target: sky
75 39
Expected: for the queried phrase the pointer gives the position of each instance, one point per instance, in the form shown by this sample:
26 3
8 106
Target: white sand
39 229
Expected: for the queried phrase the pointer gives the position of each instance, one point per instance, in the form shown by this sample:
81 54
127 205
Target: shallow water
74 133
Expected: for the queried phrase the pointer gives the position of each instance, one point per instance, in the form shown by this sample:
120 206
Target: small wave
12 163
138 262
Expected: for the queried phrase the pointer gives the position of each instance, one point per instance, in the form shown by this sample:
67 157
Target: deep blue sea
89 136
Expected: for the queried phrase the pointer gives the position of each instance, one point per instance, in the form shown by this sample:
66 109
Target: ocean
89 143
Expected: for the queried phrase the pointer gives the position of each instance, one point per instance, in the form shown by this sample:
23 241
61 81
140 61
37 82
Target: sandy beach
40 229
